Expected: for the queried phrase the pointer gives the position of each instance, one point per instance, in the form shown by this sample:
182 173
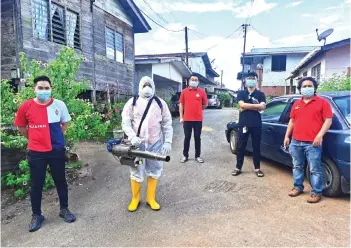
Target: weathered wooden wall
108 73
9 43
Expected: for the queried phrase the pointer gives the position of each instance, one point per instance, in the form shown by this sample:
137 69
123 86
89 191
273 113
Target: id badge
244 129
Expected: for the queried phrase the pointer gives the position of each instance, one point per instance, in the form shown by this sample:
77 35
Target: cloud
329 19
294 4
253 8
166 6
310 39
307 15
294 40
227 53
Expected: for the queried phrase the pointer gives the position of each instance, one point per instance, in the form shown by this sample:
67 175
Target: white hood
144 80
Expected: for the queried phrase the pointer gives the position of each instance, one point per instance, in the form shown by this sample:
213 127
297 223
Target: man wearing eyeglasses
193 100
251 102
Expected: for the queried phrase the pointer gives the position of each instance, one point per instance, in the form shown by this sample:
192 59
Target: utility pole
221 78
186 46
243 62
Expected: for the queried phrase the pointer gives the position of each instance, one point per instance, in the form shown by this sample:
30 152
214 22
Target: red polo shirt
192 100
309 118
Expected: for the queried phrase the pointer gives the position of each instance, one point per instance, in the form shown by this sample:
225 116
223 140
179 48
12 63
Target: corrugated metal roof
273 50
206 59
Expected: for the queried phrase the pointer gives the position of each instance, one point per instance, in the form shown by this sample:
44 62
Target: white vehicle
213 101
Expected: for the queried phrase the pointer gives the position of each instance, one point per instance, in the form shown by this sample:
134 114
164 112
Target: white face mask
146 91
193 83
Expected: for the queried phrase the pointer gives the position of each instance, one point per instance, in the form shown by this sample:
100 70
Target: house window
64 24
40 14
316 72
72 29
114 45
304 74
279 63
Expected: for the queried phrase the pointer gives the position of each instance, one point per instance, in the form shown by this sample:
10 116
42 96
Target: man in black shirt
251 102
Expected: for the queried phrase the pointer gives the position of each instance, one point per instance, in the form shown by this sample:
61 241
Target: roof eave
140 25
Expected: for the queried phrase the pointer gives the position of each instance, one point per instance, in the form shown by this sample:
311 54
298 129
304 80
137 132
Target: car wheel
331 178
233 142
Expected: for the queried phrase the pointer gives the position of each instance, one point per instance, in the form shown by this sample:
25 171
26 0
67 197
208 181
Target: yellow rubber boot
151 194
135 195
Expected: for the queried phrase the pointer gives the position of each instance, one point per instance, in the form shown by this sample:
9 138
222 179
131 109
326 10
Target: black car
174 107
336 142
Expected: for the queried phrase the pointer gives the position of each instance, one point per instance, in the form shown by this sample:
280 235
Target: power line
198 32
155 12
239 28
175 31
165 5
252 4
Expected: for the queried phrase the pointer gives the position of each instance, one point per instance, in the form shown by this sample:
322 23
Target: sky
273 23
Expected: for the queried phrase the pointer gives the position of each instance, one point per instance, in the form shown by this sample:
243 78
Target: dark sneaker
313 198
236 172
259 173
36 222
295 192
67 215
200 160
184 159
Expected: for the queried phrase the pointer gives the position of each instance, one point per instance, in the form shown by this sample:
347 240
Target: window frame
314 71
280 56
115 45
50 32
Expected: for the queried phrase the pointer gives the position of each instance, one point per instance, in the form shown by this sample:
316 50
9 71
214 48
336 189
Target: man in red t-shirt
192 102
43 120
310 118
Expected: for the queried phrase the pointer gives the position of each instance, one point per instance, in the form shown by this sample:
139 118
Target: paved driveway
202 204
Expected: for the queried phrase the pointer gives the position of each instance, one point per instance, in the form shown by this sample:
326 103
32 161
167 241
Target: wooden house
100 30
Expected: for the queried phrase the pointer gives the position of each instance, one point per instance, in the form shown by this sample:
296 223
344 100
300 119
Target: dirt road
202 204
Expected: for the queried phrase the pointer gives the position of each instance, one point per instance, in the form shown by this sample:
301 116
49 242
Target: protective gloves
136 141
166 148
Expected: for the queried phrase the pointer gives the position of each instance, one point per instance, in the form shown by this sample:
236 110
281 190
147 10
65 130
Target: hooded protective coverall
155 135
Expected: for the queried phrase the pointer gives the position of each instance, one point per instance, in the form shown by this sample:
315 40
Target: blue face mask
43 94
251 83
308 91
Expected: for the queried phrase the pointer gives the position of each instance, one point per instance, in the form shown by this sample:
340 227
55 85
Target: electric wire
239 28
175 31
164 20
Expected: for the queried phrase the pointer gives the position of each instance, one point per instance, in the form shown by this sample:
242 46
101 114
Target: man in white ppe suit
156 135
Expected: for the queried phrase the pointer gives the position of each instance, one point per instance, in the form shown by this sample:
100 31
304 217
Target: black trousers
188 127
38 162
255 133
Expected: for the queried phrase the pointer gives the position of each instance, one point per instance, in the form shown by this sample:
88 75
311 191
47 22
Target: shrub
86 123
335 83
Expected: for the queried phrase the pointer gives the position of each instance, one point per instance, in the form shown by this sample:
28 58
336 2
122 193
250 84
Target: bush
336 83
225 98
86 124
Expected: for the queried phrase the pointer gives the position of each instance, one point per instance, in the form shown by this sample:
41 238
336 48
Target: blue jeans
302 152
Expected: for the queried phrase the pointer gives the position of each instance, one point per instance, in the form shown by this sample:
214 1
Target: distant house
275 65
167 73
100 30
199 64
324 62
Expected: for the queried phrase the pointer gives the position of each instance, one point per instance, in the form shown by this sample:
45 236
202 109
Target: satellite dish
324 35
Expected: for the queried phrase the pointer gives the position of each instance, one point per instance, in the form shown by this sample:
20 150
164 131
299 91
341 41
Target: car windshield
210 96
343 104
